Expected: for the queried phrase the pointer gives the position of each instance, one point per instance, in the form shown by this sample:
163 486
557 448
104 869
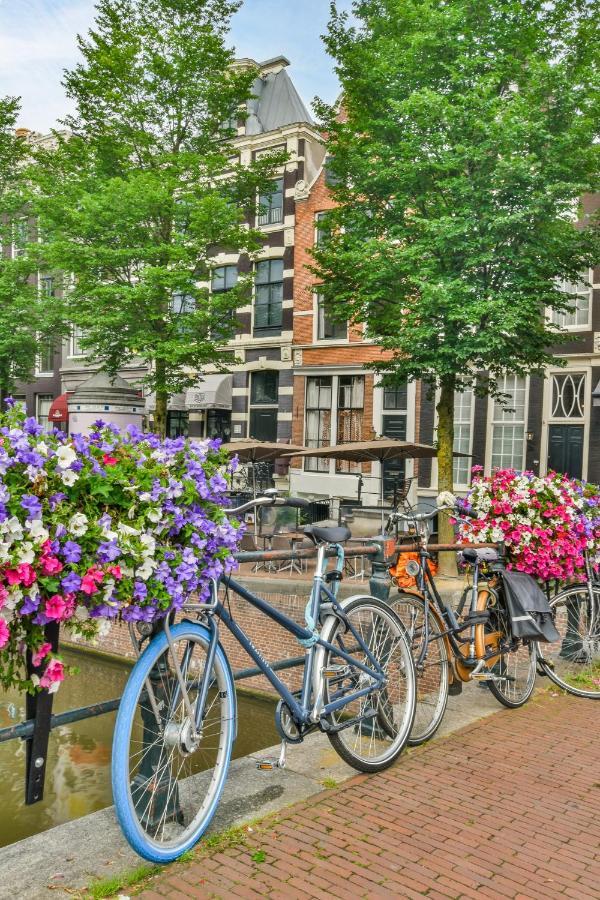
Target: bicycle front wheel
432 673
166 780
370 732
573 661
513 669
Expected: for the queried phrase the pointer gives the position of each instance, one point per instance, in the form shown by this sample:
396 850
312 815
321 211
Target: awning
176 403
59 410
213 392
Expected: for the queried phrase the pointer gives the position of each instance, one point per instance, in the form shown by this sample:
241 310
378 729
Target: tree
141 193
28 319
467 140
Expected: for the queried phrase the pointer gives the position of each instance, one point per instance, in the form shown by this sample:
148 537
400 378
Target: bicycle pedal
486 676
334 671
267 765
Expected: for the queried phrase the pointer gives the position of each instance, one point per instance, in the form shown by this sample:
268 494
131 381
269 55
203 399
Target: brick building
336 398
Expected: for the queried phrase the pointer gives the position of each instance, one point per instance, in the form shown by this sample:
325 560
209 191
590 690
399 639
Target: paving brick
505 808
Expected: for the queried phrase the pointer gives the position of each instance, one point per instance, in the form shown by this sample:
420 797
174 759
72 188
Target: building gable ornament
597 342
297 357
301 190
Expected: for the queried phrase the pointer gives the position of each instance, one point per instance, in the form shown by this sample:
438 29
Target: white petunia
81 613
26 553
155 515
65 455
145 570
126 529
69 477
78 524
42 448
38 532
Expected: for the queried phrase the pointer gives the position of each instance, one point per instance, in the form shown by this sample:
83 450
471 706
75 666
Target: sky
37 41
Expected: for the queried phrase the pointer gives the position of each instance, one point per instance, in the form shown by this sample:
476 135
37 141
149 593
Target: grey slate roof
276 102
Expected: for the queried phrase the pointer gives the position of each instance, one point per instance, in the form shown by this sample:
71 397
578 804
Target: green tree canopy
141 193
469 136
28 318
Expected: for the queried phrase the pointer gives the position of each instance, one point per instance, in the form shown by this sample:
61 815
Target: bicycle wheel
573 662
432 674
514 668
369 733
166 784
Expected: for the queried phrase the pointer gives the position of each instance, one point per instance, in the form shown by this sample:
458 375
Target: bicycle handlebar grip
296 503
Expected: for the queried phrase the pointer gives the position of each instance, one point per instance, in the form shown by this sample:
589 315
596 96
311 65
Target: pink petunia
58 608
41 654
4 634
109 460
13 576
115 571
88 585
27 574
55 673
50 565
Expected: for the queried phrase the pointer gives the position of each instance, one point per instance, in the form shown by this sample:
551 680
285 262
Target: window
42 409
47 286
320 232
350 414
224 278
395 397
463 417
269 294
182 304
177 424
319 394
20 236
270 205
46 358
568 396
218 424
76 337
579 316
327 329
264 389
508 425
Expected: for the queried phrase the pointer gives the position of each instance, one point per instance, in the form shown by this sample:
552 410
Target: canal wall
269 638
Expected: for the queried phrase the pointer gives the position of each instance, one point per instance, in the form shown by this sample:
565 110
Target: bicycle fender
206 634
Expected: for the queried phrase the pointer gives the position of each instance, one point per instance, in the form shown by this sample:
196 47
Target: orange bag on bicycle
400 576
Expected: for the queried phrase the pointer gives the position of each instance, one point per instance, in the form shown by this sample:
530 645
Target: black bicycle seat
327 535
480 554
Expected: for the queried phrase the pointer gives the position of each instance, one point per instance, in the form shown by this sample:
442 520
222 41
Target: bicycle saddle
327 535
481 554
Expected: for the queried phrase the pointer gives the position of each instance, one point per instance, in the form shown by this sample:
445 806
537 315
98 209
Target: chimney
22 132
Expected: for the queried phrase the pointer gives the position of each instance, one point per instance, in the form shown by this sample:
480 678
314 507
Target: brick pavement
505 808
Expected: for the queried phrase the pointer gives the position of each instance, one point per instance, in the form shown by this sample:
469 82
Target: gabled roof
276 101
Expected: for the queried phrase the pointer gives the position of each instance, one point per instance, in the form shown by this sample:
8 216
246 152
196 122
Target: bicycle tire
433 678
564 661
392 708
511 690
132 787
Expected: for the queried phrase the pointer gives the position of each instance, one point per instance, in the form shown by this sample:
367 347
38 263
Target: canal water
78 770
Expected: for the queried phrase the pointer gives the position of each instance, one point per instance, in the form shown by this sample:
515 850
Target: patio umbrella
377 450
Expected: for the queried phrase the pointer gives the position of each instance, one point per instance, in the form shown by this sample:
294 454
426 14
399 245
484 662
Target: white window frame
72 346
335 388
491 422
48 427
471 423
562 318
573 367
316 322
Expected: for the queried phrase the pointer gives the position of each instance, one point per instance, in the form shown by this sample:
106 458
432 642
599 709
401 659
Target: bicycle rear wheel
166 783
432 674
514 668
573 662
370 732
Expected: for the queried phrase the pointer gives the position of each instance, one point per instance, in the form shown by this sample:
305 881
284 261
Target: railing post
39 708
379 582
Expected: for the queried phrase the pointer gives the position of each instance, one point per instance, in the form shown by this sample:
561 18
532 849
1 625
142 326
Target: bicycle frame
309 708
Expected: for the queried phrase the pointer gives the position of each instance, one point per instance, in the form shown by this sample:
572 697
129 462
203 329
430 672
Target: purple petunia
71 552
33 506
71 583
108 552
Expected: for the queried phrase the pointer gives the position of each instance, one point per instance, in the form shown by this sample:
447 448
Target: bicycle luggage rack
40 721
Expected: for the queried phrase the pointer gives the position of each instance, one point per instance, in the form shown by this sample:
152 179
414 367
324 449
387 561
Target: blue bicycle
176 723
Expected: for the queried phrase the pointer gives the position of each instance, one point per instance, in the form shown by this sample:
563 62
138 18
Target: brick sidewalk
507 807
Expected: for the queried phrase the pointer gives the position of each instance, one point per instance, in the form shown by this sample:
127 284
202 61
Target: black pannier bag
529 610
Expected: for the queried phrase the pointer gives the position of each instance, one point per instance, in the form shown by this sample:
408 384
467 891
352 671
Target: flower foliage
547 523
114 525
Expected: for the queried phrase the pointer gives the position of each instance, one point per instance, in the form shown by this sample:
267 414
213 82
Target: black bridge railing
35 730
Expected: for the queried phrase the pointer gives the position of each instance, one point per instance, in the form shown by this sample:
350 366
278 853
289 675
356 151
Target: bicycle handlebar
270 499
419 517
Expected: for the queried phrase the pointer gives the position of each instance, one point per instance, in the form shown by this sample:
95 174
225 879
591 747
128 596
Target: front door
263 424
394 426
565 449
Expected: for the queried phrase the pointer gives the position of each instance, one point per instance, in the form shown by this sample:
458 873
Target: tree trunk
162 399
445 436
